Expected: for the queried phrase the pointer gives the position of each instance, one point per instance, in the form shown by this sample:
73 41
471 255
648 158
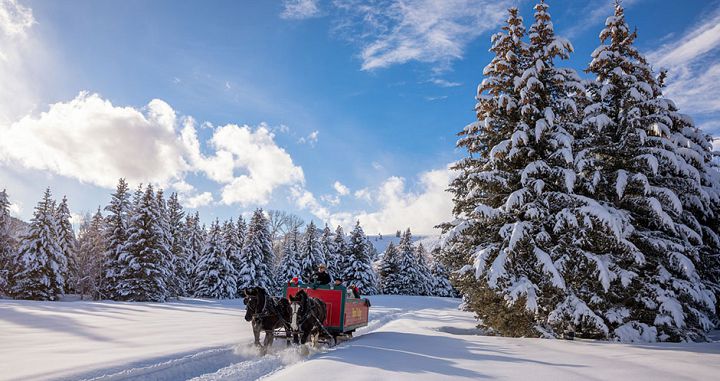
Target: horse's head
297 306
253 300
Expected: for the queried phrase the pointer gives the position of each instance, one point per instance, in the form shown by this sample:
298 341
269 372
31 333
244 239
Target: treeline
585 206
144 247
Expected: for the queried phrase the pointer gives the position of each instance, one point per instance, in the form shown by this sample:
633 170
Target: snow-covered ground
409 338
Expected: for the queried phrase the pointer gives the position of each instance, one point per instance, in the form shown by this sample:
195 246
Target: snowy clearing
413 338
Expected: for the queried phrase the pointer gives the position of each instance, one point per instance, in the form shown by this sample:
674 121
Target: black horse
307 316
266 313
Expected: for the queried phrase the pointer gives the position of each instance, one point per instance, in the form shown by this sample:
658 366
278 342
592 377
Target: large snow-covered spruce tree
337 260
116 235
232 249
359 271
67 241
41 265
144 262
215 274
389 272
7 245
257 254
179 281
290 265
90 254
519 168
311 255
637 160
195 241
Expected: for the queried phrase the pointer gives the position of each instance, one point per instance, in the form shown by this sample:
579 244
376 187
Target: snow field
408 338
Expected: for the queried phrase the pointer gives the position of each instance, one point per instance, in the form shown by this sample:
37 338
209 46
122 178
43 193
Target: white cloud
311 139
398 31
341 188
377 166
333 200
16 209
436 98
716 144
300 9
196 201
264 165
693 68
445 83
93 141
363 194
15 19
25 65
304 199
396 206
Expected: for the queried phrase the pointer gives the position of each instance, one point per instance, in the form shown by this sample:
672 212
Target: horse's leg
256 332
287 335
269 337
305 335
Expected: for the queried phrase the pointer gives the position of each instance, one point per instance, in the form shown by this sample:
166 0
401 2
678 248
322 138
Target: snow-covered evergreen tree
441 278
7 245
311 255
115 237
67 241
88 271
232 249
327 246
144 262
215 275
425 281
359 271
389 271
194 244
241 231
290 265
632 163
410 278
337 261
41 266
179 255
515 205
257 254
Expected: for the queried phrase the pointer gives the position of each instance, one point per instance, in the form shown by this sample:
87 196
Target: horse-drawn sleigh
319 313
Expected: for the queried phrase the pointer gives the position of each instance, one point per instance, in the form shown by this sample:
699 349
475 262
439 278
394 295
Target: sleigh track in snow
233 362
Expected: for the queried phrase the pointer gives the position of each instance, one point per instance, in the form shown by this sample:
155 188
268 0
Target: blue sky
334 110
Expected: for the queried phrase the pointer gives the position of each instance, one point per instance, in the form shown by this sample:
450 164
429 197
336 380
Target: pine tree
389 271
115 237
180 256
327 246
441 278
7 245
425 279
257 254
67 241
410 279
215 273
518 214
337 261
241 231
359 271
290 265
194 246
91 250
232 250
632 164
145 271
311 255
42 265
